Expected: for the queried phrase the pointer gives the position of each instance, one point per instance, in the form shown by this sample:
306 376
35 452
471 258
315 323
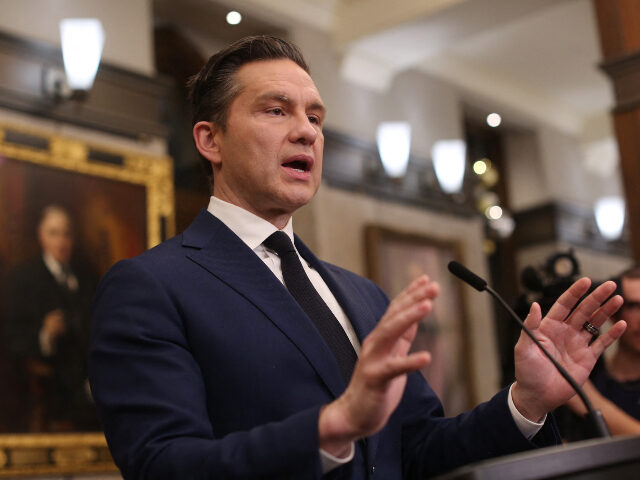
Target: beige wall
528 186
562 160
429 105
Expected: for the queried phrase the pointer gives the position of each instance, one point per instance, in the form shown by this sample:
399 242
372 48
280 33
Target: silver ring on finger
589 327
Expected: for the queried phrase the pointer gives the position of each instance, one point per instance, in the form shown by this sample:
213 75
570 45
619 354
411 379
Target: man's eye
276 111
629 305
314 119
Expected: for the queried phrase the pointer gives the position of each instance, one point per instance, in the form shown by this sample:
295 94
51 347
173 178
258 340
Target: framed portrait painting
396 258
68 211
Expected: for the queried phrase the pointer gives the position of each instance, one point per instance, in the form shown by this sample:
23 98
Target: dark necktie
299 285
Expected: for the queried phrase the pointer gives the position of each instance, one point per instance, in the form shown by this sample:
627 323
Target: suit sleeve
433 444
152 401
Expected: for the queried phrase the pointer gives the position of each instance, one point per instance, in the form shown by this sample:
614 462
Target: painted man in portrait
46 330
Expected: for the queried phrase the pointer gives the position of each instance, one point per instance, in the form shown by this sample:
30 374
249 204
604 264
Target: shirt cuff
528 428
329 462
44 339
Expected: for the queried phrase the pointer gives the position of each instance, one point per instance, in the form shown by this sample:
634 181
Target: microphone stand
599 427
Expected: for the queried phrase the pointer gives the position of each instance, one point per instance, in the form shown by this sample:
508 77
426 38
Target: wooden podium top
611 458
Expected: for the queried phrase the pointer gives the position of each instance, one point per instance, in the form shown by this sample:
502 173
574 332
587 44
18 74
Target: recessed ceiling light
494 212
234 18
493 120
479 166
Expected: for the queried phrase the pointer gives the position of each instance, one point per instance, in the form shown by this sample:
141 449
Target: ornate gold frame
153 172
78 453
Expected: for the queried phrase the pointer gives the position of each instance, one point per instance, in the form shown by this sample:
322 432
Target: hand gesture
53 326
539 387
380 375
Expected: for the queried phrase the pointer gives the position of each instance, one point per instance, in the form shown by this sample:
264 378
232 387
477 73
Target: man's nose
303 131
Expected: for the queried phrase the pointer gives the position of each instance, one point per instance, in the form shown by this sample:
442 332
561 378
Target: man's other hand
539 387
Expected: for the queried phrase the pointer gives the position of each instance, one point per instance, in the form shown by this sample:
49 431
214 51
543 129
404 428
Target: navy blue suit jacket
204 366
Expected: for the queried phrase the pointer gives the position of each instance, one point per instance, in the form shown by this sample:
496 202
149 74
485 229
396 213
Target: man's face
56 236
269 158
630 312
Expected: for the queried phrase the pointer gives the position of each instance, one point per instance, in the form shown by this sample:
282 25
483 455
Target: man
47 329
614 385
618 378
204 365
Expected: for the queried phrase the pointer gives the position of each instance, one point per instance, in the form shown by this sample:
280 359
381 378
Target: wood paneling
627 126
619 27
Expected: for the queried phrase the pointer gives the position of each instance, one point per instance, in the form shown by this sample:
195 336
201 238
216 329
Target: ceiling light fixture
494 120
479 167
494 212
234 18
503 226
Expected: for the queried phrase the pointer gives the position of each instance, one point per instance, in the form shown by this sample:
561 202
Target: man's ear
205 136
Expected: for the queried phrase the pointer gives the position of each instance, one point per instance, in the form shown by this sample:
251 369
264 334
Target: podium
616 458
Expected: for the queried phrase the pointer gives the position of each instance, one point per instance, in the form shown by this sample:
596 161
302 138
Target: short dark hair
214 88
631 272
52 209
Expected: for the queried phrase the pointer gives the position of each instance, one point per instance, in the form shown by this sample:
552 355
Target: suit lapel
218 250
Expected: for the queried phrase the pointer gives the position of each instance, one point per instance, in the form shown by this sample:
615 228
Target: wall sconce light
394 145
503 226
609 213
449 160
82 42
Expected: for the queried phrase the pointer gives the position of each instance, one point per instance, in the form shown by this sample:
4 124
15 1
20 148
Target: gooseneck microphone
594 416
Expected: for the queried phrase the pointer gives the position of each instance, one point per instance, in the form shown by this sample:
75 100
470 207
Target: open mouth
298 165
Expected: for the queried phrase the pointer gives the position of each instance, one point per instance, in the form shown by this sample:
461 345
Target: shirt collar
251 229
54 266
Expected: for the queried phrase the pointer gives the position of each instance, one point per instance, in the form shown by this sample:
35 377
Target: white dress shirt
65 278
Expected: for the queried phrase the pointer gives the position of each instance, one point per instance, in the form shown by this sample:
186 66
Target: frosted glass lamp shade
449 160
82 42
394 145
609 212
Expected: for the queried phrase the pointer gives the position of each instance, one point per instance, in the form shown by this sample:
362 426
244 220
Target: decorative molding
54 454
624 72
120 102
564 222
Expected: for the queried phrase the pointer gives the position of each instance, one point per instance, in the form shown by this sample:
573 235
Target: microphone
594 416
